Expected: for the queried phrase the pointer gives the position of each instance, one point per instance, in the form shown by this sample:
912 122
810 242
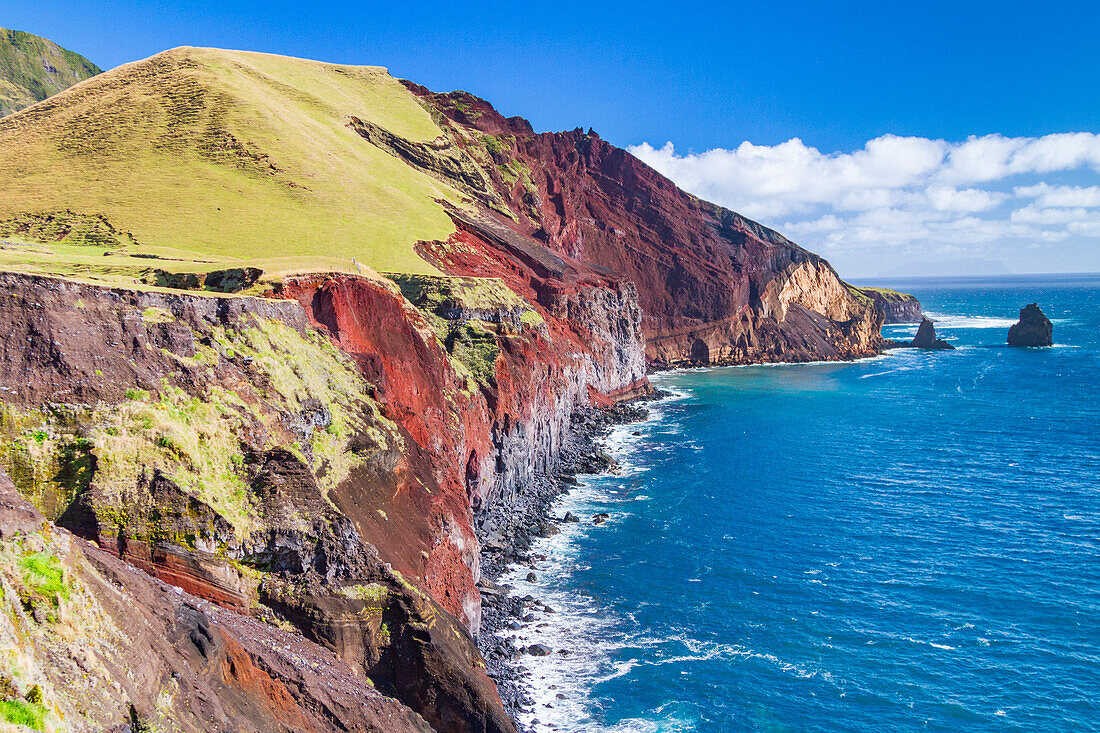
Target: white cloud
1033 214
986 195
947 198
1047 195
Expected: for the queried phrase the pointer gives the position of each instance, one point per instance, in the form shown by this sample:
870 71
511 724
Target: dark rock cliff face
1033 328
713 286
896 307
224 446
120 650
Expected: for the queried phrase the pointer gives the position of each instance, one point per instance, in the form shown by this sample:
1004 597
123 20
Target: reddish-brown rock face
422 524
407 496
469 442
163 657
713 286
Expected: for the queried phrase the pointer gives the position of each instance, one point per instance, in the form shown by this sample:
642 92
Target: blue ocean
905 543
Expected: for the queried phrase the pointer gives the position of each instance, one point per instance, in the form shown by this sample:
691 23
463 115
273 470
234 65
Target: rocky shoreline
507 528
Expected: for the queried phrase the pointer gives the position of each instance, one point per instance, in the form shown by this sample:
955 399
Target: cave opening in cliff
700 352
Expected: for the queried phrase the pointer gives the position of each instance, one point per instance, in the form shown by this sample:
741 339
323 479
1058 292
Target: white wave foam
771 364
581 634
949 320
590 645
640 725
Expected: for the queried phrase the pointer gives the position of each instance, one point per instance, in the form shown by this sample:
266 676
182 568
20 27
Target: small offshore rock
538 650
1033 328
570 517
926 338
600 518
531 577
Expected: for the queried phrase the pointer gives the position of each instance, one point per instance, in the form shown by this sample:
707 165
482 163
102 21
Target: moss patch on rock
45 453
477 349
191 440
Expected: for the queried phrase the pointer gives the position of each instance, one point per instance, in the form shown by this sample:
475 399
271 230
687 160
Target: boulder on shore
926 338
1033 328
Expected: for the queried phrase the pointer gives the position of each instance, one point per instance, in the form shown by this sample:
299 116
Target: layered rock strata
75 617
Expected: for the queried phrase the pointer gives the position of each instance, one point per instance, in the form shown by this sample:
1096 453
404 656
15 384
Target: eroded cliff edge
713 286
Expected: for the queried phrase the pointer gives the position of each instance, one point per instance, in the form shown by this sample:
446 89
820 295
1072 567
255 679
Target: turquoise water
904 543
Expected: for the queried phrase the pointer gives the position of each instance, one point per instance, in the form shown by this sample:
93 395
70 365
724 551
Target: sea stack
926 338
1033 328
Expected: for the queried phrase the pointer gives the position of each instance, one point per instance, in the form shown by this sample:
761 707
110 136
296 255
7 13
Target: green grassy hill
206 159
33 68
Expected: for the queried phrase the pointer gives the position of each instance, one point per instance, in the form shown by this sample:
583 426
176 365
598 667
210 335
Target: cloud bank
1030 202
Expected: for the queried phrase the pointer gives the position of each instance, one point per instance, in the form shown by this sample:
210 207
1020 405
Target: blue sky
708 77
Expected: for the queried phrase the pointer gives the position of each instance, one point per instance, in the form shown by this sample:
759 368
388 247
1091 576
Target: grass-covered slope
33 68
208 158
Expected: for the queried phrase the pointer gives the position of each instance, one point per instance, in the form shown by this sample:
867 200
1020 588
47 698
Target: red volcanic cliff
476 440
713 286
378 564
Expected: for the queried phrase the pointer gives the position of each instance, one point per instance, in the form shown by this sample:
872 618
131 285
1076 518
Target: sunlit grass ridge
224 158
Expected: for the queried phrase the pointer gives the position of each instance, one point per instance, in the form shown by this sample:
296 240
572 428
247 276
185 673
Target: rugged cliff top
33 68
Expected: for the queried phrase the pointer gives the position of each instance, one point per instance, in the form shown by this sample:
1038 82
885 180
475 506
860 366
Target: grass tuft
21 712
44 576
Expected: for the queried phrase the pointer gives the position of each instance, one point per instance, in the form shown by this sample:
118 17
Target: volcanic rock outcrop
713 286
896 307
312 458
225 446
926 338
1033 328
75 616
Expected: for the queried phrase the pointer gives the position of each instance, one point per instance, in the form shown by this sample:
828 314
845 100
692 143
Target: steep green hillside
33 68
206 158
